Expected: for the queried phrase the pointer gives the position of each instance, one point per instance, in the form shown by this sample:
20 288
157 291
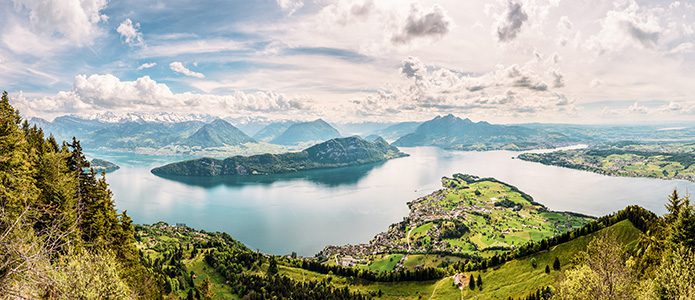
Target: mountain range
452 132
395 131
306 132
338 152
272 130
174 133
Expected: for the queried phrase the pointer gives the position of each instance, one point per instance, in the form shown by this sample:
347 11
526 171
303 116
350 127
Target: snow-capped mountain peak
147 117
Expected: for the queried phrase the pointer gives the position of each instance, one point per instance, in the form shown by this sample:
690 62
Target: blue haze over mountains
450 132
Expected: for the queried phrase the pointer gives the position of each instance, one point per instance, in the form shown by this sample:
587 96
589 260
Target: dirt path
437 286
407 238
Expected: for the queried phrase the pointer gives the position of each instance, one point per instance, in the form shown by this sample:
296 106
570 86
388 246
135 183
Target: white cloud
510 24
178 67
512 90
20 40
682 48
637 108
74 20
421 24
290 6
147 66
97 93
130 33
565 23
627 25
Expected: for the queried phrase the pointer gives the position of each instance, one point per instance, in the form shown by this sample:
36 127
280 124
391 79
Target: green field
668 161
516 278
496 214
386 263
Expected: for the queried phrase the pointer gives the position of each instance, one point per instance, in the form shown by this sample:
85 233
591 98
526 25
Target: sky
505 61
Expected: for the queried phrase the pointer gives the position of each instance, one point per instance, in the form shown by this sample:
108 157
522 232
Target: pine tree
16 173
480 281
471 283
683 231
556 264
673 206
547 269
272 267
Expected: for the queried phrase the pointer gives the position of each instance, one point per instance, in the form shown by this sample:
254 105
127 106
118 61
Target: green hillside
516 278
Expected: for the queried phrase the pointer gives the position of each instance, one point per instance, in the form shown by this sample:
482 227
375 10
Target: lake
306 211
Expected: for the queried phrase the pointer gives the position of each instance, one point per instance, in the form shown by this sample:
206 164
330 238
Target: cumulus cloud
516 89
178 67
347 11
74 20
627 25
130 32
290 6
413 68
101 92
433 23
147 66
510 24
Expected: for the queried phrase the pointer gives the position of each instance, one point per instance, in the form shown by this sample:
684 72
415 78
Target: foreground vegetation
668 161
60 235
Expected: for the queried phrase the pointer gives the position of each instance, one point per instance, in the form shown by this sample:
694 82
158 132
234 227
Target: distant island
666 161
338 152
100 165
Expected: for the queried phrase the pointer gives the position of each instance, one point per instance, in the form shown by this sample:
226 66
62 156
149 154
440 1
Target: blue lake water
306 211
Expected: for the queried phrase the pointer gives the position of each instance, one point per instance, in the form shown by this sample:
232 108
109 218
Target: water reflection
333 177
